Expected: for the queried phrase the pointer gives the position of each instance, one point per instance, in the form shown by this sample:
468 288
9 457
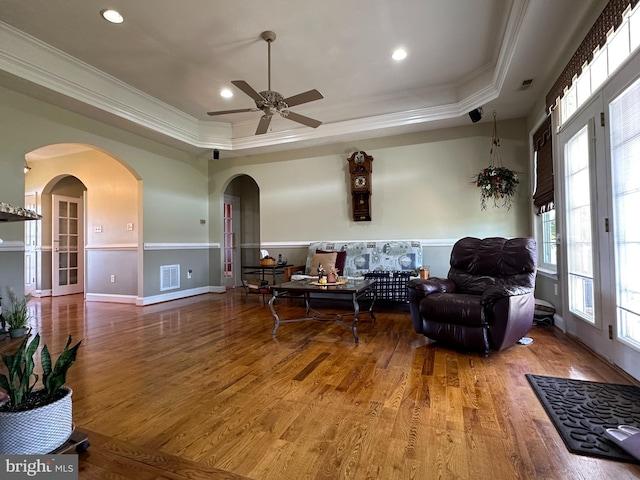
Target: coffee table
353 289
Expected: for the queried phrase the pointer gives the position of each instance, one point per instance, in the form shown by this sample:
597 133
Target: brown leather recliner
486 302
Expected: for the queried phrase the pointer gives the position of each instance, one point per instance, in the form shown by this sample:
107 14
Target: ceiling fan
271 102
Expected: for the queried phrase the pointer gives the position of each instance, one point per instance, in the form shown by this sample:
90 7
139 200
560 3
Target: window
549 258
579 225
619 45
543 197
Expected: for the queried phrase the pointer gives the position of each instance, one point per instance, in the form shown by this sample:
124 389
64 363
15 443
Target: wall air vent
169 277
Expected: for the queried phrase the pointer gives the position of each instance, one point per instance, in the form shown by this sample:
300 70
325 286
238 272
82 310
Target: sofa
396 260
487 300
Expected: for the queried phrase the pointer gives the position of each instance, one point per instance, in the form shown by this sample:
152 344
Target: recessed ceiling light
226 93
399 54
112 16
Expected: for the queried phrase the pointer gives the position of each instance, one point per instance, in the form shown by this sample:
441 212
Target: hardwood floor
198 388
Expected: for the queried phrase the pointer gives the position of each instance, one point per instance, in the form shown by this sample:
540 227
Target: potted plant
17 317
35 422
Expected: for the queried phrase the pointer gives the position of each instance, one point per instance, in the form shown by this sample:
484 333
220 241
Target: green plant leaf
20 366
45 358
4 382
58 376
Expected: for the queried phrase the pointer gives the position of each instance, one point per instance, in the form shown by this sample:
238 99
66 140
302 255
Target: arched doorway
89 235
240 227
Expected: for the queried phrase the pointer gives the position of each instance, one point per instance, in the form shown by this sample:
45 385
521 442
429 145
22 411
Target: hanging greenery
496 182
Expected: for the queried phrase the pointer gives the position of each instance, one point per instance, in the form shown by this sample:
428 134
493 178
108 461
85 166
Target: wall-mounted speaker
476 115
216 154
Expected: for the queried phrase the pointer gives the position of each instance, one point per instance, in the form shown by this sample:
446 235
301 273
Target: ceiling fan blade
301 98
263 126
224 112
246 88
309 122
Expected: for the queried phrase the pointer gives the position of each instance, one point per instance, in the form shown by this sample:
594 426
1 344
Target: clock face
359 182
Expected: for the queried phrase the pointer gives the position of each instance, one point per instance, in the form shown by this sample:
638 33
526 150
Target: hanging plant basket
496 182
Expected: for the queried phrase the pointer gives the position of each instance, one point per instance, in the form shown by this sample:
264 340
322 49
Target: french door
622 99
600 201
68 246
231 234
30 240
584 225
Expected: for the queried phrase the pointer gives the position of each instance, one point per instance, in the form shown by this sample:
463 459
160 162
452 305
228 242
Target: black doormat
582 410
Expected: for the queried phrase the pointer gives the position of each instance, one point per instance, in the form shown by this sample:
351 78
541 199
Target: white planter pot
38 431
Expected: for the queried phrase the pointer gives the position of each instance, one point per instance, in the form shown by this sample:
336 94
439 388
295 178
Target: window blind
543 197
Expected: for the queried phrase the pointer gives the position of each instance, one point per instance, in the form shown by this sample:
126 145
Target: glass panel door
231 231
579 228
68 246
30 239
625 172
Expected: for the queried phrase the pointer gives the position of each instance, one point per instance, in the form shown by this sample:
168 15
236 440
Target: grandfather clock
360 169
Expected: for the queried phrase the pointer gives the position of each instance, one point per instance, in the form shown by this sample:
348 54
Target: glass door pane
228 240
68 244
579 225
625 169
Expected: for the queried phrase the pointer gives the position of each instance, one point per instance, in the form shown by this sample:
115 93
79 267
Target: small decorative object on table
332 276
322 275
496 181
268 261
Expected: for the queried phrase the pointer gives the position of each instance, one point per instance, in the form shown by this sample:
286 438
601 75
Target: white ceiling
160 71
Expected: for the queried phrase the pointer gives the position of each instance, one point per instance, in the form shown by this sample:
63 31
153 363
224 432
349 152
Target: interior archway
245 241
108 190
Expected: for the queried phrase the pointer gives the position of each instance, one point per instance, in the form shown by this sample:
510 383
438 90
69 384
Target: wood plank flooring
199 388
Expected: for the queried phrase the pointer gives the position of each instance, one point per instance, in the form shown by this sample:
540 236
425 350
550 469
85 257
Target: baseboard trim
141 301
42 293
110 298
167 297
558 321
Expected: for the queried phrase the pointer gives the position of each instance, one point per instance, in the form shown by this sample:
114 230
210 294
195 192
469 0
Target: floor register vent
169 277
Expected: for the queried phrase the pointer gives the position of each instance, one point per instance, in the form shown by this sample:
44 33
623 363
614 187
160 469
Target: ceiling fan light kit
271 102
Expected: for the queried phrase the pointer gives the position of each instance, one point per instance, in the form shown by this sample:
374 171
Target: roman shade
542 144
610 18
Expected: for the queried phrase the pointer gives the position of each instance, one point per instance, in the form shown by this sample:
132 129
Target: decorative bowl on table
267 262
